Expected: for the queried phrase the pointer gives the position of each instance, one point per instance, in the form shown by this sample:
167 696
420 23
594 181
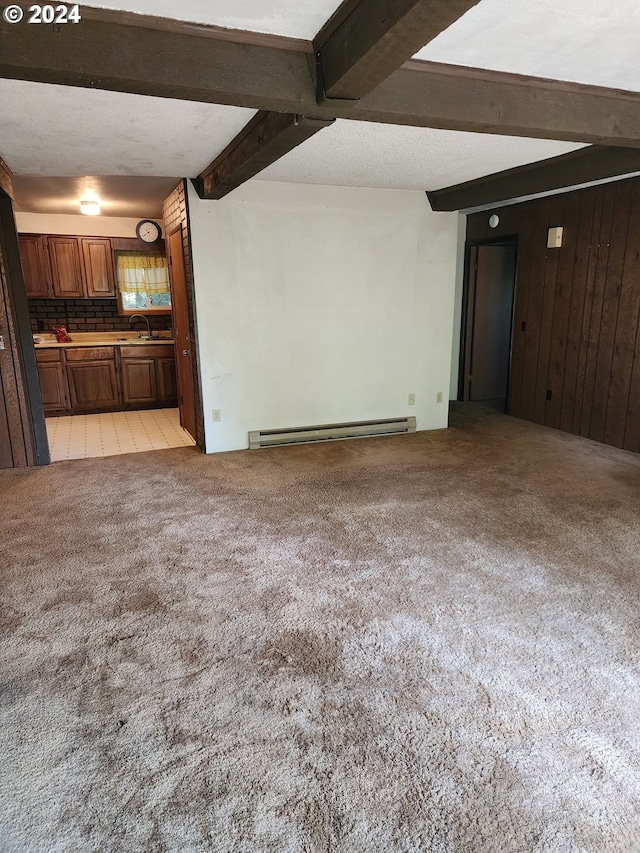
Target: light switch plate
554 238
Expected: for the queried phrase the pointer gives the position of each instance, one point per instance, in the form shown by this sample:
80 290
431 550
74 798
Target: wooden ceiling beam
586 165
266 138
179 64
374 38
481 101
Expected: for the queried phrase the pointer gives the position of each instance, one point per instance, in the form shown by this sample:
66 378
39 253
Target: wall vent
329 432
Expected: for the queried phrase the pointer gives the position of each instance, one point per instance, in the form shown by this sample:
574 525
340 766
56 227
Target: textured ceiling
363 154
130 135
585 41
59 130
295 18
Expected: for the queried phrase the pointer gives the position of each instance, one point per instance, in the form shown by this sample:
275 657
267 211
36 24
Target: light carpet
415 643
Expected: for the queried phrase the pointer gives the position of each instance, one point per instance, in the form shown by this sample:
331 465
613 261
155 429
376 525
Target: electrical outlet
412 399
439 397
216 415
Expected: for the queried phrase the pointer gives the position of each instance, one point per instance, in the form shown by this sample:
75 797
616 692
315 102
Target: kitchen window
143 283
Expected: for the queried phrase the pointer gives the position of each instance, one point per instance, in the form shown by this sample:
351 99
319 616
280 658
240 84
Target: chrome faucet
146 320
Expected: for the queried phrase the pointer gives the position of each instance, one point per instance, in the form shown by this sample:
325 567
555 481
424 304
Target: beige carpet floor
417 643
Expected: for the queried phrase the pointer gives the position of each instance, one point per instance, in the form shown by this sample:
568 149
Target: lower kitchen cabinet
166 379
53 381
139 380
92 378
79 380
148 374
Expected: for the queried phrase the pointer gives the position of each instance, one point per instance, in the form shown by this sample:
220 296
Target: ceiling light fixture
91 208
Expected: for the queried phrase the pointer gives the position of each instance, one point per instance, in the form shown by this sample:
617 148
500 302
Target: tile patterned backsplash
86 315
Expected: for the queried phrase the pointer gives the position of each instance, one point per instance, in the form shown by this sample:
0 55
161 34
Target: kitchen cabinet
148 374
67 267
78 380
53 381
166 379
67 275
139 380
99 274
92 378
34 254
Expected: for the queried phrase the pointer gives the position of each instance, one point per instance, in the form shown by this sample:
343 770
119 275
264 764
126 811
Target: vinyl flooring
113 433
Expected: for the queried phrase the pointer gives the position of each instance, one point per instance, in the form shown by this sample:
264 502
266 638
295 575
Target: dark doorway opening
487 322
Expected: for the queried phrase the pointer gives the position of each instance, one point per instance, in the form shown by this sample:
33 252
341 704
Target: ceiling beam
480 101
374 38
147 61
584 166
266 138
6 180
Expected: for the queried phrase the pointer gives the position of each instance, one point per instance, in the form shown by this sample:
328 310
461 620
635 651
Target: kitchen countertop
101 339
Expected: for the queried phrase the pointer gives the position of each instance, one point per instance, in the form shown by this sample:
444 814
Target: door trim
33 426
466 320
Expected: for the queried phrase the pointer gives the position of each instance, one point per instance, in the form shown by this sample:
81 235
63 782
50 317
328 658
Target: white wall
83 226
321 304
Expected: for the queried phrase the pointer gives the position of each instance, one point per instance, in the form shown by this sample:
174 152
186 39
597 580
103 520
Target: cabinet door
166 375
53 387
93 385
66 267
138 380
98 266
35 265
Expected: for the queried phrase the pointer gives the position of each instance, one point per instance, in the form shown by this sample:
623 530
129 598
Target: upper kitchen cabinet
66 267
35 265
98 266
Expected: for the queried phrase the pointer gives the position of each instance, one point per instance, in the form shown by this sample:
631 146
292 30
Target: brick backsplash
86 315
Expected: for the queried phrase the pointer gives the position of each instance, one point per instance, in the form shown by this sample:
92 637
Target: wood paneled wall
22 433
575 362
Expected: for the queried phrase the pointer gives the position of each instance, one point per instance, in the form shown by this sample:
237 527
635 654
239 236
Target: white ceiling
58 131
93 132
585 41
363 154
294 18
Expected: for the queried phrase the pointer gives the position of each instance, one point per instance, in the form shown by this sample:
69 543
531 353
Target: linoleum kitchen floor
113 433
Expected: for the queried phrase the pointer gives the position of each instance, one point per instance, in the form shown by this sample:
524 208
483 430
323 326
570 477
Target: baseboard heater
329 432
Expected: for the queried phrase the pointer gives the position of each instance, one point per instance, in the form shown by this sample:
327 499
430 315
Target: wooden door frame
34 427
466 319
193 341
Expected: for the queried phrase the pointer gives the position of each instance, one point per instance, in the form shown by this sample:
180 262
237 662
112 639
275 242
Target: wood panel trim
594 163
6 180
20 346
137 59
266 138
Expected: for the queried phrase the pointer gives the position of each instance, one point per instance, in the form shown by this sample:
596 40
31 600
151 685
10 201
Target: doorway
487 323
183 342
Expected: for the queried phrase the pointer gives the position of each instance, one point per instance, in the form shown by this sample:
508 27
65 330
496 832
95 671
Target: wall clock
148 231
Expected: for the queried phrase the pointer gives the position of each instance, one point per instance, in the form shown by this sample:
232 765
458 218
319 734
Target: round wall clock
148 231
